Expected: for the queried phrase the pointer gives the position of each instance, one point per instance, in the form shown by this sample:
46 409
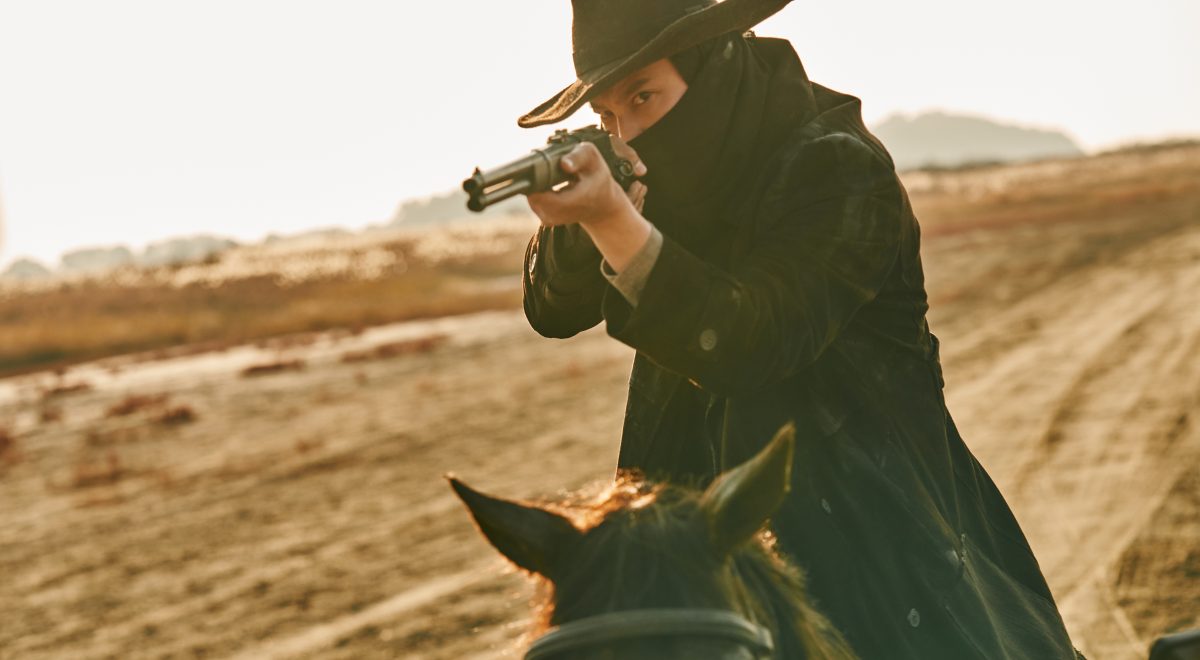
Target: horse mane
642 549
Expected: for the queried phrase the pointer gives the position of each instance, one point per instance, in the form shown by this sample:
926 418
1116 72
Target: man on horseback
767 269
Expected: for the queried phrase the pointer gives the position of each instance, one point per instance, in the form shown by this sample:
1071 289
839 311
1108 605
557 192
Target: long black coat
820 318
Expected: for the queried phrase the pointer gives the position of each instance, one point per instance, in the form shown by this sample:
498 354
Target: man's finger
543 204
637 195
636 191
625 151
557 202
584 159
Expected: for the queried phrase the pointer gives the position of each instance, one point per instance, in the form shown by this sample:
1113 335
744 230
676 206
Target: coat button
914 617
532 261
708 339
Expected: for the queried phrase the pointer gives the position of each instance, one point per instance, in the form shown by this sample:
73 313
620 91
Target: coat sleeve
830 235
562 286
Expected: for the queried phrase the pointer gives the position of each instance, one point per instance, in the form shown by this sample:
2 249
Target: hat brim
681 34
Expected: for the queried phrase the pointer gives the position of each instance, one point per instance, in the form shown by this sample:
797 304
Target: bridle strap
632 624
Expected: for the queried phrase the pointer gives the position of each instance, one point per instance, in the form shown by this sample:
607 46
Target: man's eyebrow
630 88
635 86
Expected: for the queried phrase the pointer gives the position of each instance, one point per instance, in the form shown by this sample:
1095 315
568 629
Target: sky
130 121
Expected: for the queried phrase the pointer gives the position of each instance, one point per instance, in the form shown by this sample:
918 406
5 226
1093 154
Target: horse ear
529 536
739 501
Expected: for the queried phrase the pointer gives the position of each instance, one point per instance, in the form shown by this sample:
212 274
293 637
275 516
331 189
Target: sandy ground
303 513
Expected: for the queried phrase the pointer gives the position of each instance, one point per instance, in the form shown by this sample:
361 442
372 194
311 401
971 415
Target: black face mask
695 153
702 155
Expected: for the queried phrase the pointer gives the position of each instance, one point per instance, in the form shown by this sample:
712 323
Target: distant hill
96 259
183 250
26 269
945 140
450 208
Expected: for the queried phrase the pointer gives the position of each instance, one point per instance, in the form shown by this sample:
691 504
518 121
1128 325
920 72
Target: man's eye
641 97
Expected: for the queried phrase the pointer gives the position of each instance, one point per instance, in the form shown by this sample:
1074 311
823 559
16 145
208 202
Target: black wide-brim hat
613 38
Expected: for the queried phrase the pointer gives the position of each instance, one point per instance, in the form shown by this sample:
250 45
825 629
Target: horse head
664 571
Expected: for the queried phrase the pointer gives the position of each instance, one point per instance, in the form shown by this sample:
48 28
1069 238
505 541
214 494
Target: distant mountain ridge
450 208
93 260
936 139
941 139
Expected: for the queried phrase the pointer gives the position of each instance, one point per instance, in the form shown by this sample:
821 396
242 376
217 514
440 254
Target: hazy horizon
136 122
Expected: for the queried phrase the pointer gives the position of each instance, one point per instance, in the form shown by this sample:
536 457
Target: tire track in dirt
1078 324
1157 578
235 606
279 562
327 634
1003 400
1109 440
1097 312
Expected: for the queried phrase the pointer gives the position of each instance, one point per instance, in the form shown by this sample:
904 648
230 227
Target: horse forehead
639 559
631 533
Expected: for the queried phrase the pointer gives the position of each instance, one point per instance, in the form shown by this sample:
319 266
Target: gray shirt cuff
630 281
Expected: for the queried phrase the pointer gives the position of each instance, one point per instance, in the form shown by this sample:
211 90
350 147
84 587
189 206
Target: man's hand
594 196
610 216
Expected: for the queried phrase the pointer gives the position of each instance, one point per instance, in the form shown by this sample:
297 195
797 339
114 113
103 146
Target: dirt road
303 514
1081 400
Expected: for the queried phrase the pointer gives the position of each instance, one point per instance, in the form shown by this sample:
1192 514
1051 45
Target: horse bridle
632 624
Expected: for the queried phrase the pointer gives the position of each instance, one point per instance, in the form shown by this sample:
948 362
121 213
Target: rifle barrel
479 202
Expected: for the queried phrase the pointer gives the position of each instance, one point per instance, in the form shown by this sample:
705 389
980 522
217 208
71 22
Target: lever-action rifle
540 170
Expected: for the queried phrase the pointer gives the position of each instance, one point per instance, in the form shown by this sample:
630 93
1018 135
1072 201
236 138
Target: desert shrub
135 402
396 349
273 367
50 414
8 446
88 474
62 389
176 415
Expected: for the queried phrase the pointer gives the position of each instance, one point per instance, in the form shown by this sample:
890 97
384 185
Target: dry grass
145 312
1146 181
